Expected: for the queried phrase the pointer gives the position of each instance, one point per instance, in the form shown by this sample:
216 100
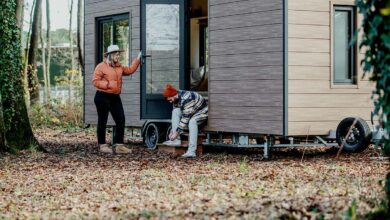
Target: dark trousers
105 103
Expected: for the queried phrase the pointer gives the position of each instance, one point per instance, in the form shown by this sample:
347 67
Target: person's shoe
105 148
189 154
121 149
175 142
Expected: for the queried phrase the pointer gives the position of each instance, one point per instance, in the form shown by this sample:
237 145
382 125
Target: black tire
359 138
153 135
167 132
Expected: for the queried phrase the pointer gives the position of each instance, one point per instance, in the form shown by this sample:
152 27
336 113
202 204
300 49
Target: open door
163 38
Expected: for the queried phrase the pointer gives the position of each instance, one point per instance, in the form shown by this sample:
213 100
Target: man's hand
173 135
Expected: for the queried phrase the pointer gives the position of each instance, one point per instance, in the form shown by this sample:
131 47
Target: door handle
143 58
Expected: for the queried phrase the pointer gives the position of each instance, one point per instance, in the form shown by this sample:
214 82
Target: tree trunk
43 56
71 51
19 13
70 34
48 46
80 33
25 67
18 132
33 83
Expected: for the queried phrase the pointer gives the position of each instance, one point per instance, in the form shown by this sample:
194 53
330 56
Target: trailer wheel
153 135
359 138
167 133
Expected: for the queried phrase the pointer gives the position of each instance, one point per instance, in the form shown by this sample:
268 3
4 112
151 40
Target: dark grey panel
246 20
250 6
246 33
246 66
252 113
259 87
245 126
247 46
247 73
131 88
249 60
218 2
247 100
111 5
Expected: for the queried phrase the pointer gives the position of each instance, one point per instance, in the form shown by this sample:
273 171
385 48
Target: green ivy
376 43
17 126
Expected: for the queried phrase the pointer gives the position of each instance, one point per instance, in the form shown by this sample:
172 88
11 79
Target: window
203 43
114 30
344 54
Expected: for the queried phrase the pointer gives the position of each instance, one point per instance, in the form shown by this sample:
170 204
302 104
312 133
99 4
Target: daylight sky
59 10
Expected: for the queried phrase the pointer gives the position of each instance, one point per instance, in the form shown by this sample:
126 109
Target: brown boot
121 149
105 148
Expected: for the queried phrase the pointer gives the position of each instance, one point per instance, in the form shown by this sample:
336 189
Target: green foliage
17 126
60 113
351 212
57 114
243 165
60 63
70 78
376 43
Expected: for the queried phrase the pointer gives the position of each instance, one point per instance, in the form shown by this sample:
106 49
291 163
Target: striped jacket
190 103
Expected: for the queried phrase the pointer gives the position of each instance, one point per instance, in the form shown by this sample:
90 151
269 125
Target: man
107 79
191 111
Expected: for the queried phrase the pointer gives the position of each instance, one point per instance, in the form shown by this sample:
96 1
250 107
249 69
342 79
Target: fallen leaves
80 183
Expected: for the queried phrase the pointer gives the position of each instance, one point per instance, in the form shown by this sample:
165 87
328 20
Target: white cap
113 48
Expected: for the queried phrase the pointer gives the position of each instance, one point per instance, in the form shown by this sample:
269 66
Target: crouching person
190 111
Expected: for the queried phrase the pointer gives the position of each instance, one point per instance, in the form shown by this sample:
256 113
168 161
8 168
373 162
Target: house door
163 47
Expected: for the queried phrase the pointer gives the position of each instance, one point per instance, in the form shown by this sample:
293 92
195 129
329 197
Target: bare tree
43 57
73 68
25 80
80 33
19 13
32 75
48 46
70 34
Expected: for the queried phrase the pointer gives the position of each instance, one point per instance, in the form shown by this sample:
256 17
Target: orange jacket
108 79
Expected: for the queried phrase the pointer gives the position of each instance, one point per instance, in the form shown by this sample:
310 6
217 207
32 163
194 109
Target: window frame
353 51
203 28
99 38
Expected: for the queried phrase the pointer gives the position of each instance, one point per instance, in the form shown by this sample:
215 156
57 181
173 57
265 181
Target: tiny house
277 70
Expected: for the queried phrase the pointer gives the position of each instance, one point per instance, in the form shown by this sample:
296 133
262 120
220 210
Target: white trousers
195 120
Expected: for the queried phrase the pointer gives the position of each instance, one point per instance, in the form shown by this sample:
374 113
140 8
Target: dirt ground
74 181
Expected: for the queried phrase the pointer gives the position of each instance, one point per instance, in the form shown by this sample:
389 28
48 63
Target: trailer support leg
266 148
208 138
266 154
269 141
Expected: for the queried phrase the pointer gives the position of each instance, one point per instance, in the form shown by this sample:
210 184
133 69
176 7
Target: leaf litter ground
74 181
